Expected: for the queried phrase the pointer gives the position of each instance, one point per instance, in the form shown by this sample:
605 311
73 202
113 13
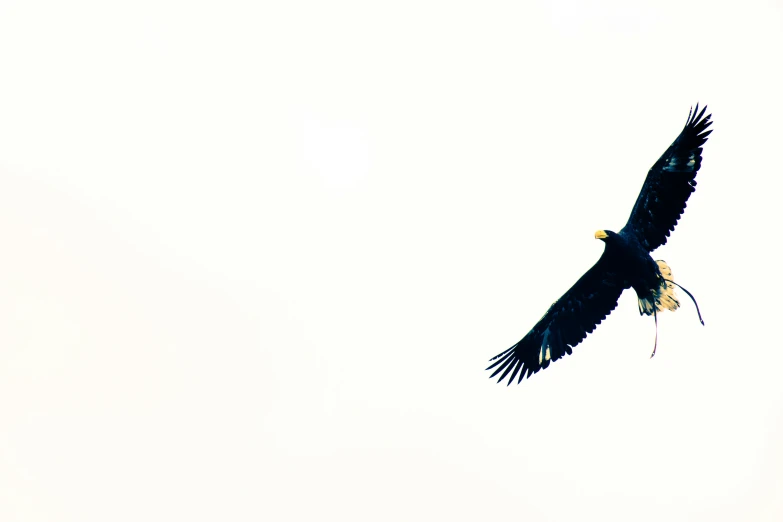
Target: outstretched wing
669 184
565 324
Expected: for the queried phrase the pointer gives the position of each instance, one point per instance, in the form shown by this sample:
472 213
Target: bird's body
636 268
625 263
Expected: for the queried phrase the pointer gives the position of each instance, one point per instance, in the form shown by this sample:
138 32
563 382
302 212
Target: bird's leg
655 314
692 299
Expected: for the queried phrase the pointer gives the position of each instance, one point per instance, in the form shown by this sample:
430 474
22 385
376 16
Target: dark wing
565 324
669 184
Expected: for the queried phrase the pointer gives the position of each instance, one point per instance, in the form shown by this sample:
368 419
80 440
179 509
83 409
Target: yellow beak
601 235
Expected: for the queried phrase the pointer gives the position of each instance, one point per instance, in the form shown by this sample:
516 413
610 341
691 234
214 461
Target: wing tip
695 131
697 118
509 362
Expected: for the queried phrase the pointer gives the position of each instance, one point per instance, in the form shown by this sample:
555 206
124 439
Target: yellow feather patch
665 296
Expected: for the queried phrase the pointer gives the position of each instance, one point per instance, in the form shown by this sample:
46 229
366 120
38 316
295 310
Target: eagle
625 263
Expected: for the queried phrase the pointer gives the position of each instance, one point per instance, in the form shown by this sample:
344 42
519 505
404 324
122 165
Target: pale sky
255 257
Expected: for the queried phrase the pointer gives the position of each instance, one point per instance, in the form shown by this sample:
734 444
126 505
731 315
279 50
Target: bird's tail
663 297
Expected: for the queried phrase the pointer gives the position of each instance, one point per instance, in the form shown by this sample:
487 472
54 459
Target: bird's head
606 235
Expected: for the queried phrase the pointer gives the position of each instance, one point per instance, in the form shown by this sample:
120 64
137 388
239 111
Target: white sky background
255 259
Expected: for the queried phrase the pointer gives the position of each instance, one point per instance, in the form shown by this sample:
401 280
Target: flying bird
625 263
